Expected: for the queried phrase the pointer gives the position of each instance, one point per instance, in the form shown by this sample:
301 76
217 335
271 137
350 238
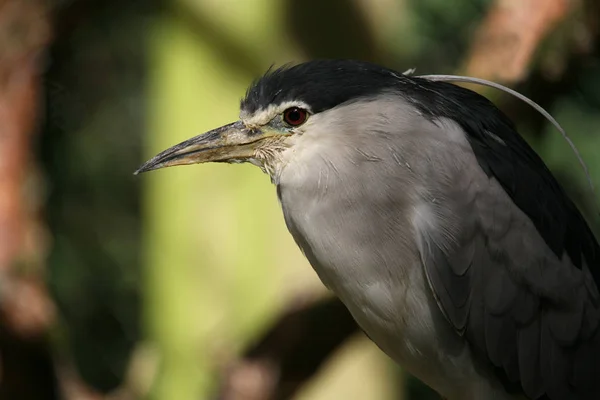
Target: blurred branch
508 39
509 36
290 353
582 53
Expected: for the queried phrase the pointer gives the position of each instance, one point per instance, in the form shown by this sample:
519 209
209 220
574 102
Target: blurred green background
161 282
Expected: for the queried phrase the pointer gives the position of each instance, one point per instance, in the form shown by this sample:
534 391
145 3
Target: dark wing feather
520 279
521 307
503 154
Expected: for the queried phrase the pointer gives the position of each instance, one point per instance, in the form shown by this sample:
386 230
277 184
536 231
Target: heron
421 207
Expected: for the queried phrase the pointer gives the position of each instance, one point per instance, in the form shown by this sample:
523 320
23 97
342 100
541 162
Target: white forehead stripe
264 115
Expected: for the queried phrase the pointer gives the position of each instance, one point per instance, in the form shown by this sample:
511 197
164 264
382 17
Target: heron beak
232 142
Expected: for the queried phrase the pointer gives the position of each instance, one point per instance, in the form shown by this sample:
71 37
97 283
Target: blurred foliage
128 76
96 103
441 32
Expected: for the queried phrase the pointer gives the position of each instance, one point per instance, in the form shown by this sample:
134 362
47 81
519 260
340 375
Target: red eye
295 116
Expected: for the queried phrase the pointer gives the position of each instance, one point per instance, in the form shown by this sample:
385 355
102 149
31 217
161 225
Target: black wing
521 280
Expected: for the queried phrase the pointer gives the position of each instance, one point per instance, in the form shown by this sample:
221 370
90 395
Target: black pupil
294 116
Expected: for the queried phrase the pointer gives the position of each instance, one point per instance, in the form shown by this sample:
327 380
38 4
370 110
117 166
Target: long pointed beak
227 143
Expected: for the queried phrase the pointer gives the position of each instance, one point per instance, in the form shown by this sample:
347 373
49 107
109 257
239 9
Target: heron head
278 107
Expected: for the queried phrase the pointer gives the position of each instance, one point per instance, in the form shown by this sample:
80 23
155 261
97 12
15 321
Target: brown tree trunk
26 311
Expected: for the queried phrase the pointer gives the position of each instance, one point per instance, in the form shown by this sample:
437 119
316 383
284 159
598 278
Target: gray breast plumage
364 236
